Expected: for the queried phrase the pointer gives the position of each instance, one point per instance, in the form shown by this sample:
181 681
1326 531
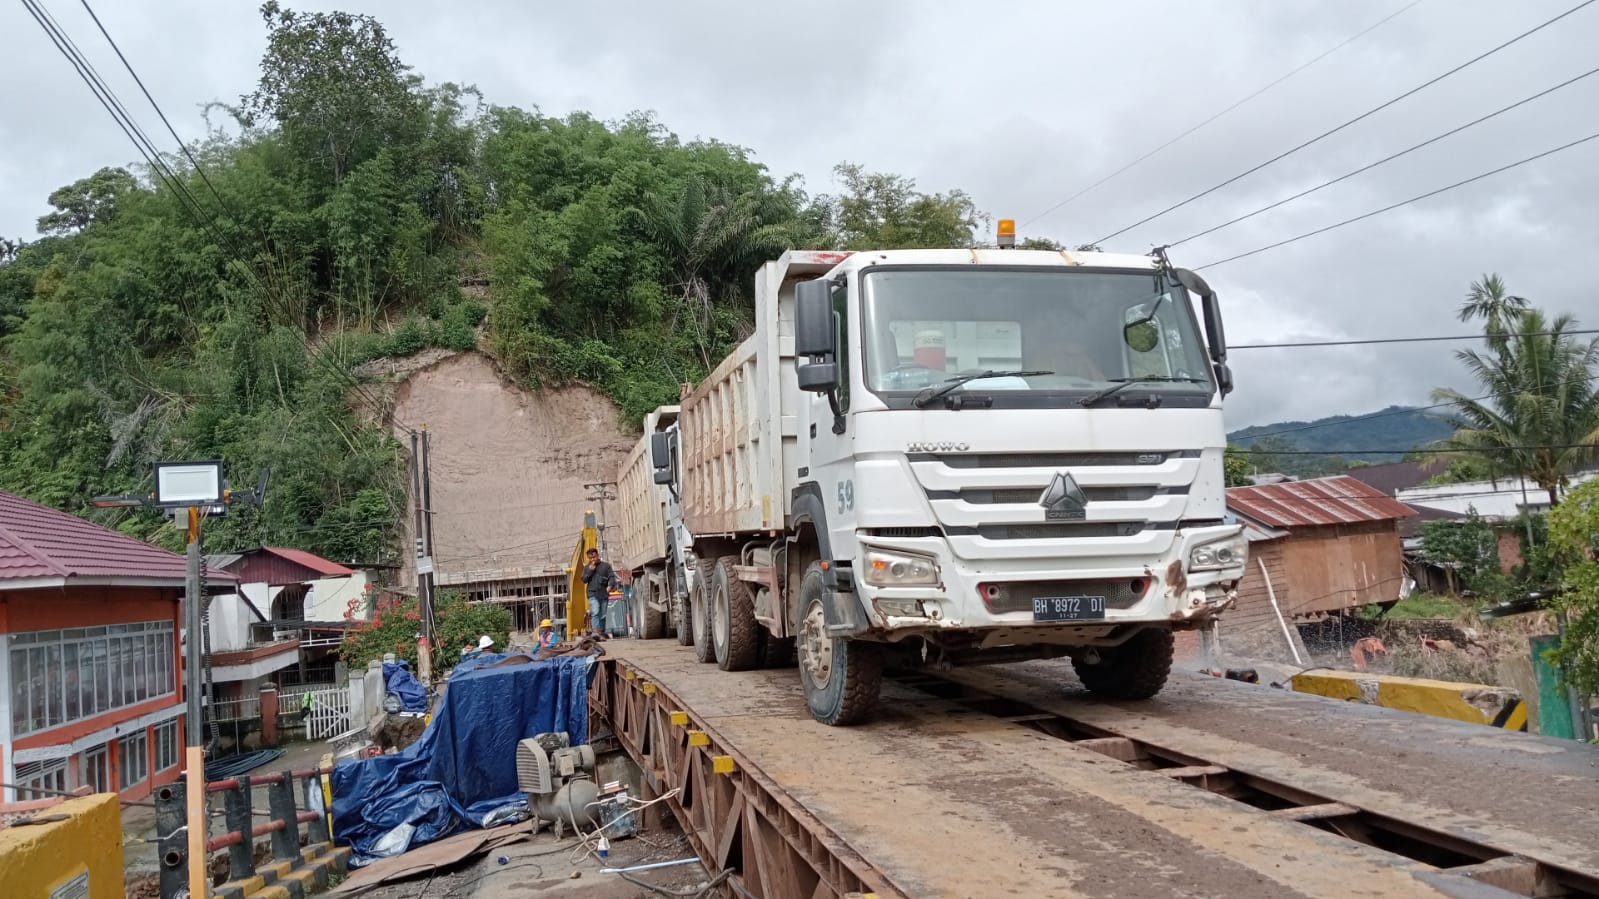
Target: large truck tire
648 624
1136 669
682 617
842 678
734 630
700 612
777 652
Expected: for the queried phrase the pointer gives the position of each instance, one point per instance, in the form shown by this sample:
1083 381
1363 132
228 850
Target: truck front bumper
998 597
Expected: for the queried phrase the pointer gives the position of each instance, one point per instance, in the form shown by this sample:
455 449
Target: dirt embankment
509 465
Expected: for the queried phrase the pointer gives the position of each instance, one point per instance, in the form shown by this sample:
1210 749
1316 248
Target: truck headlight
1227 552
890 568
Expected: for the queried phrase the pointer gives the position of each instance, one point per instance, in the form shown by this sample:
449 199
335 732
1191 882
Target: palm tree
712 237
1540 414
1490 301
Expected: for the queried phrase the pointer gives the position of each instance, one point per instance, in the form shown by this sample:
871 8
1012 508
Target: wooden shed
1319 546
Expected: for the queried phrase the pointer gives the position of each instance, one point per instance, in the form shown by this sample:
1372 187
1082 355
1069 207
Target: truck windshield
924 326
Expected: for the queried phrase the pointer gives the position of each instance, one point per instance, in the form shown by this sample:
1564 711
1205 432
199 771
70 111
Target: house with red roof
1315 546
91 689
280 627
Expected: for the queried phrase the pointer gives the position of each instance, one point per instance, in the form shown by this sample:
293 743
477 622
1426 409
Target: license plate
1068 608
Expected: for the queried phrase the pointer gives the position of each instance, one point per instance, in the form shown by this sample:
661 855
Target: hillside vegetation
1338 442
220 312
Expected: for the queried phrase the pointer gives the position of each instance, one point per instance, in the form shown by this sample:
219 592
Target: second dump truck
944 457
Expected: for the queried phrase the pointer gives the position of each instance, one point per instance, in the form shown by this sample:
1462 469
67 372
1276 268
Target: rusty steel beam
734 815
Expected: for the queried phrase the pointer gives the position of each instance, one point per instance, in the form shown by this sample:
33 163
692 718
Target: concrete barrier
79 857
1473 703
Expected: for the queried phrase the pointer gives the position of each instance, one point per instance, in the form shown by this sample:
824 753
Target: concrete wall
38 859
231 617
338 598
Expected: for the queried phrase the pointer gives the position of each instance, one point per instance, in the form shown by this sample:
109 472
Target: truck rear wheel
841 677
700 612
777 652
1136 669
734 630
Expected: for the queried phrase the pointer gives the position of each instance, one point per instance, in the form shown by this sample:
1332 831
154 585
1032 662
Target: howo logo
937 447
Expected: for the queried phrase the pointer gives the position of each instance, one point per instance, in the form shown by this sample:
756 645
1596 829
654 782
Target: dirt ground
556 868
508 465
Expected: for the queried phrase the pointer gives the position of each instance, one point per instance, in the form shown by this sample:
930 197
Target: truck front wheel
735 632
647 622
1136 669
841 677
700 612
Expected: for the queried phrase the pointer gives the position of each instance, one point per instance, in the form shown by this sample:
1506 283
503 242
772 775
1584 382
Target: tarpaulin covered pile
464 765
402 683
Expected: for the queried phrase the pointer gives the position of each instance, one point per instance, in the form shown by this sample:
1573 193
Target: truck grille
1068 530
1053 460
1030 495
1122 593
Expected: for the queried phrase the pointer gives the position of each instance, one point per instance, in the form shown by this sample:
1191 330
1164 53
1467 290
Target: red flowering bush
396 623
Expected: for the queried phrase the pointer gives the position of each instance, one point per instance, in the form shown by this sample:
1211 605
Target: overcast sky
1021 105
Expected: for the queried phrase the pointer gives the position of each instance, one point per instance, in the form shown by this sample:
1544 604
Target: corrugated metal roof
310 560
1256 533
1323 501
40 542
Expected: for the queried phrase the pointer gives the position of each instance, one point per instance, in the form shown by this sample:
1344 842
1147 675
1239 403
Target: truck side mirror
815 334
1215 336
661 458
813 319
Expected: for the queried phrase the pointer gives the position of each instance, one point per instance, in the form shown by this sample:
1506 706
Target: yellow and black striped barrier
1474 703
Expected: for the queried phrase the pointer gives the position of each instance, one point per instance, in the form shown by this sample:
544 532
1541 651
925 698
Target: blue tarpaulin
401 682
464 764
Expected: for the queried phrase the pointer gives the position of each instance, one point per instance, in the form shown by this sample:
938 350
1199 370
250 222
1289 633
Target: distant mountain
1342 437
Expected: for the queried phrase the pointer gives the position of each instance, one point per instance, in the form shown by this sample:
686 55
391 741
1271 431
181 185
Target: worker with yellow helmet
546 634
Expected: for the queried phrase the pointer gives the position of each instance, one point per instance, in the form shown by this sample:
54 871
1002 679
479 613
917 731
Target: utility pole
423 562
602 494
422 491
192 490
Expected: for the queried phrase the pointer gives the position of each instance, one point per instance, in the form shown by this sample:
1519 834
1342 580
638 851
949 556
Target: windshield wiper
1119 384
928 394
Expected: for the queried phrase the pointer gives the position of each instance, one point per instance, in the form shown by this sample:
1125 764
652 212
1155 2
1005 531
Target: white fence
330 713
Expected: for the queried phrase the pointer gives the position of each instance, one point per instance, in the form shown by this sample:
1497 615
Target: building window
133 759
166 745
51 775
97 769
67 675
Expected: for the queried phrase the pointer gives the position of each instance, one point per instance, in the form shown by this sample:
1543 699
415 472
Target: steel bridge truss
736 817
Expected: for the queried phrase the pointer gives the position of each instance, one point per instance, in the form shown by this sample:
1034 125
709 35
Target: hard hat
546 623
485 641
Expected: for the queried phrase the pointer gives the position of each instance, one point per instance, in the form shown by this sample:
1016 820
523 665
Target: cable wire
1323 55
1386 159
1392 206
1370 341
1365 115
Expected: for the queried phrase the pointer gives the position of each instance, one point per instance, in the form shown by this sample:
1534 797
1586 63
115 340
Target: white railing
246 709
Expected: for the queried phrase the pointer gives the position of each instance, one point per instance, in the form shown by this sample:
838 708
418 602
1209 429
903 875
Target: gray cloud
1021 105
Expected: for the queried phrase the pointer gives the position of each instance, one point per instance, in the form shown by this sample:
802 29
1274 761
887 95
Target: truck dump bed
643 502
733 425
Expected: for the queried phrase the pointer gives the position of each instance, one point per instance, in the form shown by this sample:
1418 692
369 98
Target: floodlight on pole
188 492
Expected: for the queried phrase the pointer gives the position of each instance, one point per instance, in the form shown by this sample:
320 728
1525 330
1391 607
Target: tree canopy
335 222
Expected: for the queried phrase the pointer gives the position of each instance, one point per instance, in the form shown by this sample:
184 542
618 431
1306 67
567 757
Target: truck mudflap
844 614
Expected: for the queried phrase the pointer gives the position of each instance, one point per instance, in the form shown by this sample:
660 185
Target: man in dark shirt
599 576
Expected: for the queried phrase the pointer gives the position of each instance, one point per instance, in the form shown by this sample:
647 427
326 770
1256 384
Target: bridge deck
948 801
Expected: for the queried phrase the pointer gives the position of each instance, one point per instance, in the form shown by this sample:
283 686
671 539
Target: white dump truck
655 545
949 457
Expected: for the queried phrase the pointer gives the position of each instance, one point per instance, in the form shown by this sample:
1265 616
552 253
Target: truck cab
1011 454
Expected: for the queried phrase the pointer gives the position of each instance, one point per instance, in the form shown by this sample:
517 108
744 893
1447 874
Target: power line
1393 206
1368 341
1442 451
1367 114
1387 159
1323 55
